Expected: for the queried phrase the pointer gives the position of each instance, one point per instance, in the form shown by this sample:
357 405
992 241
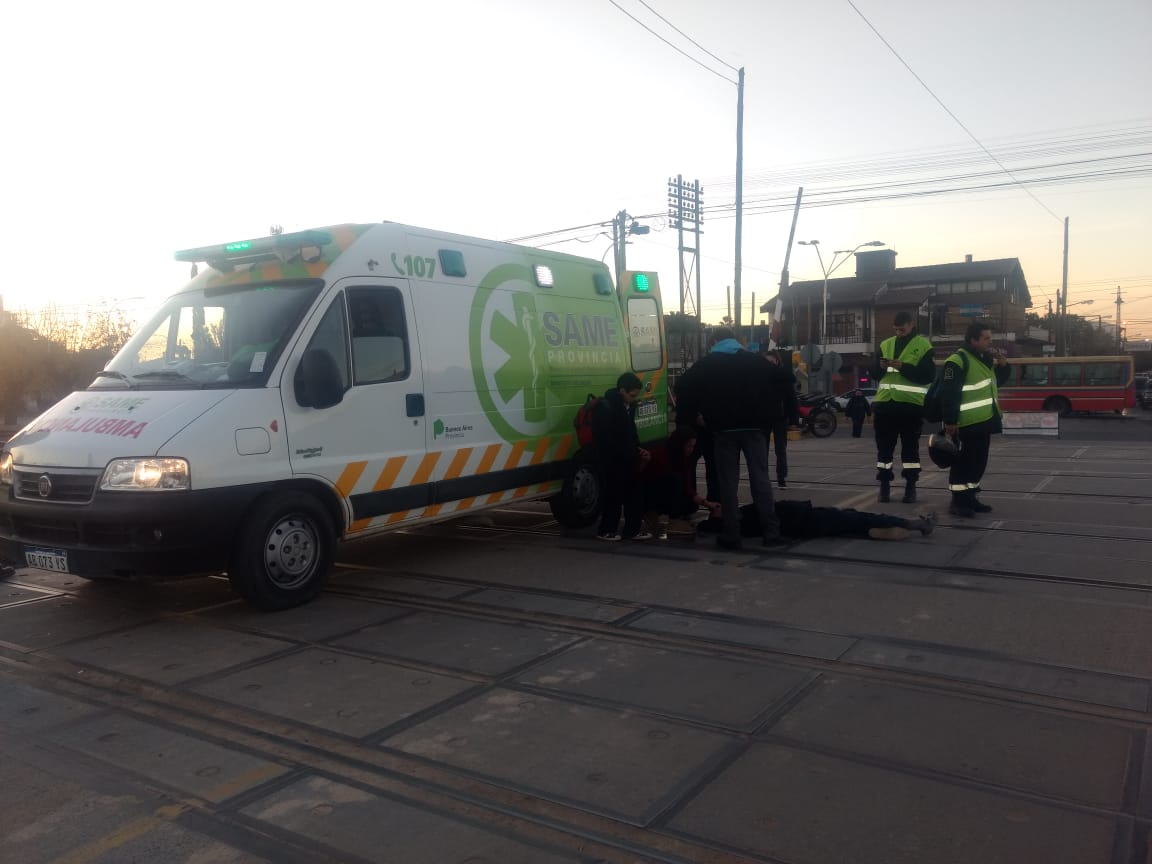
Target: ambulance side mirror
318 383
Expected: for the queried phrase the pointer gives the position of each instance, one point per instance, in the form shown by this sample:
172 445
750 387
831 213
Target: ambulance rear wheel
577 505
284 553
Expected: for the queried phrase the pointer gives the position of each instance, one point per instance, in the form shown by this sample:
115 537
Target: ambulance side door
365 445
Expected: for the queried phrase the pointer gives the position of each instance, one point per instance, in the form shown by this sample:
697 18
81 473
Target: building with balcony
944 297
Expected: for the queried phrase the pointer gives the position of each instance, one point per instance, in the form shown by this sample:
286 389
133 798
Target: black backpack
933 407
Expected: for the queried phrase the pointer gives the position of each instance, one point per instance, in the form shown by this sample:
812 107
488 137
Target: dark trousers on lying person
800 520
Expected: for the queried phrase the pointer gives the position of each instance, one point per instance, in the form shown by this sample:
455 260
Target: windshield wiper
166 375
111 373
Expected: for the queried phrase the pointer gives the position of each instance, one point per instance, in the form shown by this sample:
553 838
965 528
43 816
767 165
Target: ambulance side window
331 336
379 335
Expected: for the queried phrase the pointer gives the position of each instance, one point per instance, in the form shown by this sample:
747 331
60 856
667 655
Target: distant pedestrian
617 447
730 387
783 410
907 368
857 409
968 396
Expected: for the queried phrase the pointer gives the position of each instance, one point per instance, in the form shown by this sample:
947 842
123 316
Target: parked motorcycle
818 414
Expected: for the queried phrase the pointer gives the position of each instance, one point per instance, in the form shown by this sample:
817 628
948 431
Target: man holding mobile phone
907 368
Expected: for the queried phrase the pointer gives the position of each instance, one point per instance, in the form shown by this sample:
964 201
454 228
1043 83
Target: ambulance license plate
46 559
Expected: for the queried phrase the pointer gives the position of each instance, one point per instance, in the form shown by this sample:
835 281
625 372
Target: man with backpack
618 450
968 386
907 367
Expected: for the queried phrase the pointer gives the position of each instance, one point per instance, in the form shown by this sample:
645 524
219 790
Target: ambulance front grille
62 488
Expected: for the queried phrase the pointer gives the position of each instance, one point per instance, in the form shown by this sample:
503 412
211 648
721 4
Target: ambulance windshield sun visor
227 337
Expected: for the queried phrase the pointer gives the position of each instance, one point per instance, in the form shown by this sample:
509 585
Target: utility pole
1119 338
1062 305
784 272
685 206
739 186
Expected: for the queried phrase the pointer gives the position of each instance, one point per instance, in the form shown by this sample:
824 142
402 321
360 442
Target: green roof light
640 281
238 247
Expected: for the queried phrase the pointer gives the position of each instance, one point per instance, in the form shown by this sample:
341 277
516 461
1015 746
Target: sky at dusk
134 129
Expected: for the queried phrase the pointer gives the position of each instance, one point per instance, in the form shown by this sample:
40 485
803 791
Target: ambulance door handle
414 402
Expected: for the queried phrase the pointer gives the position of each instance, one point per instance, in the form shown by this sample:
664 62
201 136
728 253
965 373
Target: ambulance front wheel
284 553
577 504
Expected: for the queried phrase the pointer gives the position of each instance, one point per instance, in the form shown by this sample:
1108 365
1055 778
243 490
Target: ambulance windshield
212 338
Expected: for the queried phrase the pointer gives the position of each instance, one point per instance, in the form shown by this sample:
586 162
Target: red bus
1067 384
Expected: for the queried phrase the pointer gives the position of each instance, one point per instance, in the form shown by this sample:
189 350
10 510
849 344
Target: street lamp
847 253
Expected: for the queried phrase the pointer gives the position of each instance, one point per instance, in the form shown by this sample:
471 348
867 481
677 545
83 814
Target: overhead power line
948 110
689 38
676 48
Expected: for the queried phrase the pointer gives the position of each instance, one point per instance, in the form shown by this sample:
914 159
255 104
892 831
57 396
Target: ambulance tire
577 504
284 552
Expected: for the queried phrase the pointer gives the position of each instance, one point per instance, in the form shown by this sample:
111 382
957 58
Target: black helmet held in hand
943 451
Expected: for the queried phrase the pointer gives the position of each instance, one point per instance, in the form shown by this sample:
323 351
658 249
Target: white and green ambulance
328 385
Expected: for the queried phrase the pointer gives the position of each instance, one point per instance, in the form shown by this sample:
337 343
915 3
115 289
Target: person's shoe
681 526
909 494
728 545
781 482
641 536
885 492
960 506
979 506
926 523
610 536
893 533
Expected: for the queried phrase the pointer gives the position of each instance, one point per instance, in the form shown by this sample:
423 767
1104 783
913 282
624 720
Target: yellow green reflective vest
978 396
894 387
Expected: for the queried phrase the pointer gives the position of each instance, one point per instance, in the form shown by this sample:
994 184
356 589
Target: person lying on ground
800 520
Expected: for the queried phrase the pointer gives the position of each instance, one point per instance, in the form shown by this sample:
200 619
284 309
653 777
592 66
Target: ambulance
315 387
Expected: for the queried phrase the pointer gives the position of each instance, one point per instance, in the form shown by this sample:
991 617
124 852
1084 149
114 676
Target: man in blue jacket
731 389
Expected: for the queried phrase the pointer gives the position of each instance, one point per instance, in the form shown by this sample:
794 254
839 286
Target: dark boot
781 481
976 504
961 505
909 492
885 492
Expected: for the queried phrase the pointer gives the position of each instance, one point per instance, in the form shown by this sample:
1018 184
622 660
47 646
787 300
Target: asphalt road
496 690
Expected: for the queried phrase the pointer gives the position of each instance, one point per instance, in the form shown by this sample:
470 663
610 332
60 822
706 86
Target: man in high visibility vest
907 367
971 413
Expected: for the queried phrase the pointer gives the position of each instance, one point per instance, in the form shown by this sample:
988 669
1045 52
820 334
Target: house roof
902 285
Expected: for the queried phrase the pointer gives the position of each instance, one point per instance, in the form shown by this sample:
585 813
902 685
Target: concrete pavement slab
174 759
321 619
1053 555
761 634
729 693
622 764
32 709
386 830
348 695
951 734
51 812
1095 688
11 594
807 808
56 620
385 580
569 607
458 642
172 651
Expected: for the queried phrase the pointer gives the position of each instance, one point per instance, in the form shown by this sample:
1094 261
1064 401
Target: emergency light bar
277 245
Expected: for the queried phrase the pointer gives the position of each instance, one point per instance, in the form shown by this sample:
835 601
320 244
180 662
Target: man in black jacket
618 450
731 389
783 410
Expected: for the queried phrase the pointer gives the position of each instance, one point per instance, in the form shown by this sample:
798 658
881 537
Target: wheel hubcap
290 552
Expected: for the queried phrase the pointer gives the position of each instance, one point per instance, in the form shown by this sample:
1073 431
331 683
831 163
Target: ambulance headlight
127 475
5 469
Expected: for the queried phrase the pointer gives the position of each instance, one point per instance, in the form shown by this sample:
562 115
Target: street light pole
847 253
